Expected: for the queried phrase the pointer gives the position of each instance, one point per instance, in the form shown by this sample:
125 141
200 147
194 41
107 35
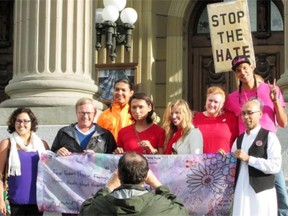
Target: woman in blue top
21 151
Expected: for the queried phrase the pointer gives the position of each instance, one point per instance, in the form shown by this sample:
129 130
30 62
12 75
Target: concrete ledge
47 115
45 132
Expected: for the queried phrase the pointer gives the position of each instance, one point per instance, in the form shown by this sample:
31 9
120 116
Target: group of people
243 123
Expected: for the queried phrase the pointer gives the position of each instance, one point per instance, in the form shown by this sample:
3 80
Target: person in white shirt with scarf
21 151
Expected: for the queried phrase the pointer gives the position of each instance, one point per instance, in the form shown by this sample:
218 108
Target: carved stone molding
266 66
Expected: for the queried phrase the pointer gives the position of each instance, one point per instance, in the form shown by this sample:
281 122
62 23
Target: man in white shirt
258 154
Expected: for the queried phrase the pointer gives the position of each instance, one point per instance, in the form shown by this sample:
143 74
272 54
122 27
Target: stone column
176 64
283 84
53 53
283 81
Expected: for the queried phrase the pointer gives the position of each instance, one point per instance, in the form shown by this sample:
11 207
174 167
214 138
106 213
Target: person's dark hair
15 113
143 96
240 59
132 168
124 80
235 63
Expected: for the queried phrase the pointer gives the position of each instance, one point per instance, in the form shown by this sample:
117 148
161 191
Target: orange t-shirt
115 118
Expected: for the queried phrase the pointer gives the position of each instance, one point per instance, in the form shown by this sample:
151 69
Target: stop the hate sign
230 33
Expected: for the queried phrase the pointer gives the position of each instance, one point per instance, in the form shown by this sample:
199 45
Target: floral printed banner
204 183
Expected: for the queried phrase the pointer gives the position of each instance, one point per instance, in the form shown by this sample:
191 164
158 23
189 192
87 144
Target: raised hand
273 91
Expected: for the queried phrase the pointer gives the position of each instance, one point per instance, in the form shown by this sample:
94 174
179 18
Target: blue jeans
282 196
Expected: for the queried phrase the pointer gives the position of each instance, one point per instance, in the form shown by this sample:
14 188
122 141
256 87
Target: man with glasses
85 135
258 154
273 113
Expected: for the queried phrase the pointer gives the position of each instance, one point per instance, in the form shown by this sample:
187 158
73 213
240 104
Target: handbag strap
4 175
5 185
138 138
136 132
6 171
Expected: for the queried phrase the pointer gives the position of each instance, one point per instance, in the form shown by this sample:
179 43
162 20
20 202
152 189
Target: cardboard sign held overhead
230 33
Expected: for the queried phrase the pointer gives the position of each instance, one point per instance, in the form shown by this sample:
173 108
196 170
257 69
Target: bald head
251 114
132 168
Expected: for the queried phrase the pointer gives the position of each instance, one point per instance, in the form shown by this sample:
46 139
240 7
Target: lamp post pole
117 32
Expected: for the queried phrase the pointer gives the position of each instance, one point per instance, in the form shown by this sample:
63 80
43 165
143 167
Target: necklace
26 140
138 139
246 96
255 86
142 128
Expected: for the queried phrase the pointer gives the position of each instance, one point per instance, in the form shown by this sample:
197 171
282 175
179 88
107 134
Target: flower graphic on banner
204 176
209 180
212 174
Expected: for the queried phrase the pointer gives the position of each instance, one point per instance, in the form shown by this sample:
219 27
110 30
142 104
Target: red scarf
174 139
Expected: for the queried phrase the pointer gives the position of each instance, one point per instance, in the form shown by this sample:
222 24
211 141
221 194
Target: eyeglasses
249 113
86 113
25 122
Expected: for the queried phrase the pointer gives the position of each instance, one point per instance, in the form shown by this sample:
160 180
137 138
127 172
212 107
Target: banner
230 33
204 183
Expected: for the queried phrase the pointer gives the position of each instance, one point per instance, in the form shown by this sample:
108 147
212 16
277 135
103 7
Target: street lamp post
117 31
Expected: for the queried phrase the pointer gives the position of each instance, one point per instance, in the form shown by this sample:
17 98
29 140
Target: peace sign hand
273 91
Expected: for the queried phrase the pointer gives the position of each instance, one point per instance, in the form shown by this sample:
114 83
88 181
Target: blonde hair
186 123
216 90
83 101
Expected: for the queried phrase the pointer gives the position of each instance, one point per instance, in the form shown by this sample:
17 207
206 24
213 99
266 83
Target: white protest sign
230 33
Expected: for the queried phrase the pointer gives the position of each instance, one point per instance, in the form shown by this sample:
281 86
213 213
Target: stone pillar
176 64
283 81
53 53
283 84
